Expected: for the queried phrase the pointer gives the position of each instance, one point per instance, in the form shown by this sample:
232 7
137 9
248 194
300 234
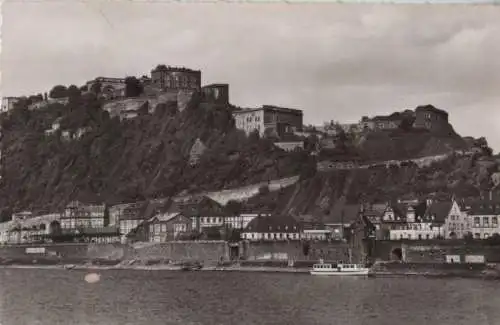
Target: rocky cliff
148 157
119 161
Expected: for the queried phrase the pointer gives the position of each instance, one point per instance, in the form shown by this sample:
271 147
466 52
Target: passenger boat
339 269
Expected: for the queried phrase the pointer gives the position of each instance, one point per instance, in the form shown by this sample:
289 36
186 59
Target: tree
96 88
133 87
58 91
407 122
73 92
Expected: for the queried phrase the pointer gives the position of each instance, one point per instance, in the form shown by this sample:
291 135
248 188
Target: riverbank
487 272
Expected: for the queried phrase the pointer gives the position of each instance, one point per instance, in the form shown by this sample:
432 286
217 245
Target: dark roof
342 213
134 212
439 210
275 223
466 203
197 206
485 207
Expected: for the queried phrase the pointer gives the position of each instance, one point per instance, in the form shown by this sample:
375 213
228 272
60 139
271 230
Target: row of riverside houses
449 218
203 218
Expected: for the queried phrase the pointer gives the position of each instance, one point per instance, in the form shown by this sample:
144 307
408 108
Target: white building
316 234
457 223
483 218
5 228
417 231
290 146
79 215
122 211
272 228
8 103
430 225
275 119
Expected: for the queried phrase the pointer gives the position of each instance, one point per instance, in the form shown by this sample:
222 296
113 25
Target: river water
51 297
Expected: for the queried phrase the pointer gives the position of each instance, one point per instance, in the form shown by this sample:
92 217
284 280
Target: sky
335 62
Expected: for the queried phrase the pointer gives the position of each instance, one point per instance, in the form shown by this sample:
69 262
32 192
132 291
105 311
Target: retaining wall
434 251
295 251
210 252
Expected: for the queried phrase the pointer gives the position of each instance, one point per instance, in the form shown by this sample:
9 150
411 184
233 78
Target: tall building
431 118
175 78
269 119
216 93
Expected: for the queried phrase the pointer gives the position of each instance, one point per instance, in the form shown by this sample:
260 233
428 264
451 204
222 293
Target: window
476 221
494 221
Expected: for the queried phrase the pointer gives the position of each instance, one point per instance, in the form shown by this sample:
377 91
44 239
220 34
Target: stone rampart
210 252
294 251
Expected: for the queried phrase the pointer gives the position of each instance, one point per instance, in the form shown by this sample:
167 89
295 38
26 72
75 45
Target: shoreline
260 269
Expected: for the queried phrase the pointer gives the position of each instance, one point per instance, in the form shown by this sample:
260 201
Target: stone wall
246 192
210 252
434 251
294 251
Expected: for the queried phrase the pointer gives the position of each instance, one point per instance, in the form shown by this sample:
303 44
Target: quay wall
433 251
209 252
294 251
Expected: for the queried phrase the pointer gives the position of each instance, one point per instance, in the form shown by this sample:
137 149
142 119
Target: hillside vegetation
117 161
120 161
318 195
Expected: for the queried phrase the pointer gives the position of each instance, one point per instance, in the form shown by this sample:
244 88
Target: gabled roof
276 223
198 206
164 217
438 211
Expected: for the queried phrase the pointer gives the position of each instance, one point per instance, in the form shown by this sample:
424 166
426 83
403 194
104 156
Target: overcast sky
332 61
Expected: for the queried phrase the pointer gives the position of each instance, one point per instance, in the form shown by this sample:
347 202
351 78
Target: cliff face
148 157
326 193
145 157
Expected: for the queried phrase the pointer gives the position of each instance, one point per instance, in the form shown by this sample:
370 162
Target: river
52 297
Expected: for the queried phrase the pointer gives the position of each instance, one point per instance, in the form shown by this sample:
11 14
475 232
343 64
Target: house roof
439 210
197 206
275 223
485 207
164 217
